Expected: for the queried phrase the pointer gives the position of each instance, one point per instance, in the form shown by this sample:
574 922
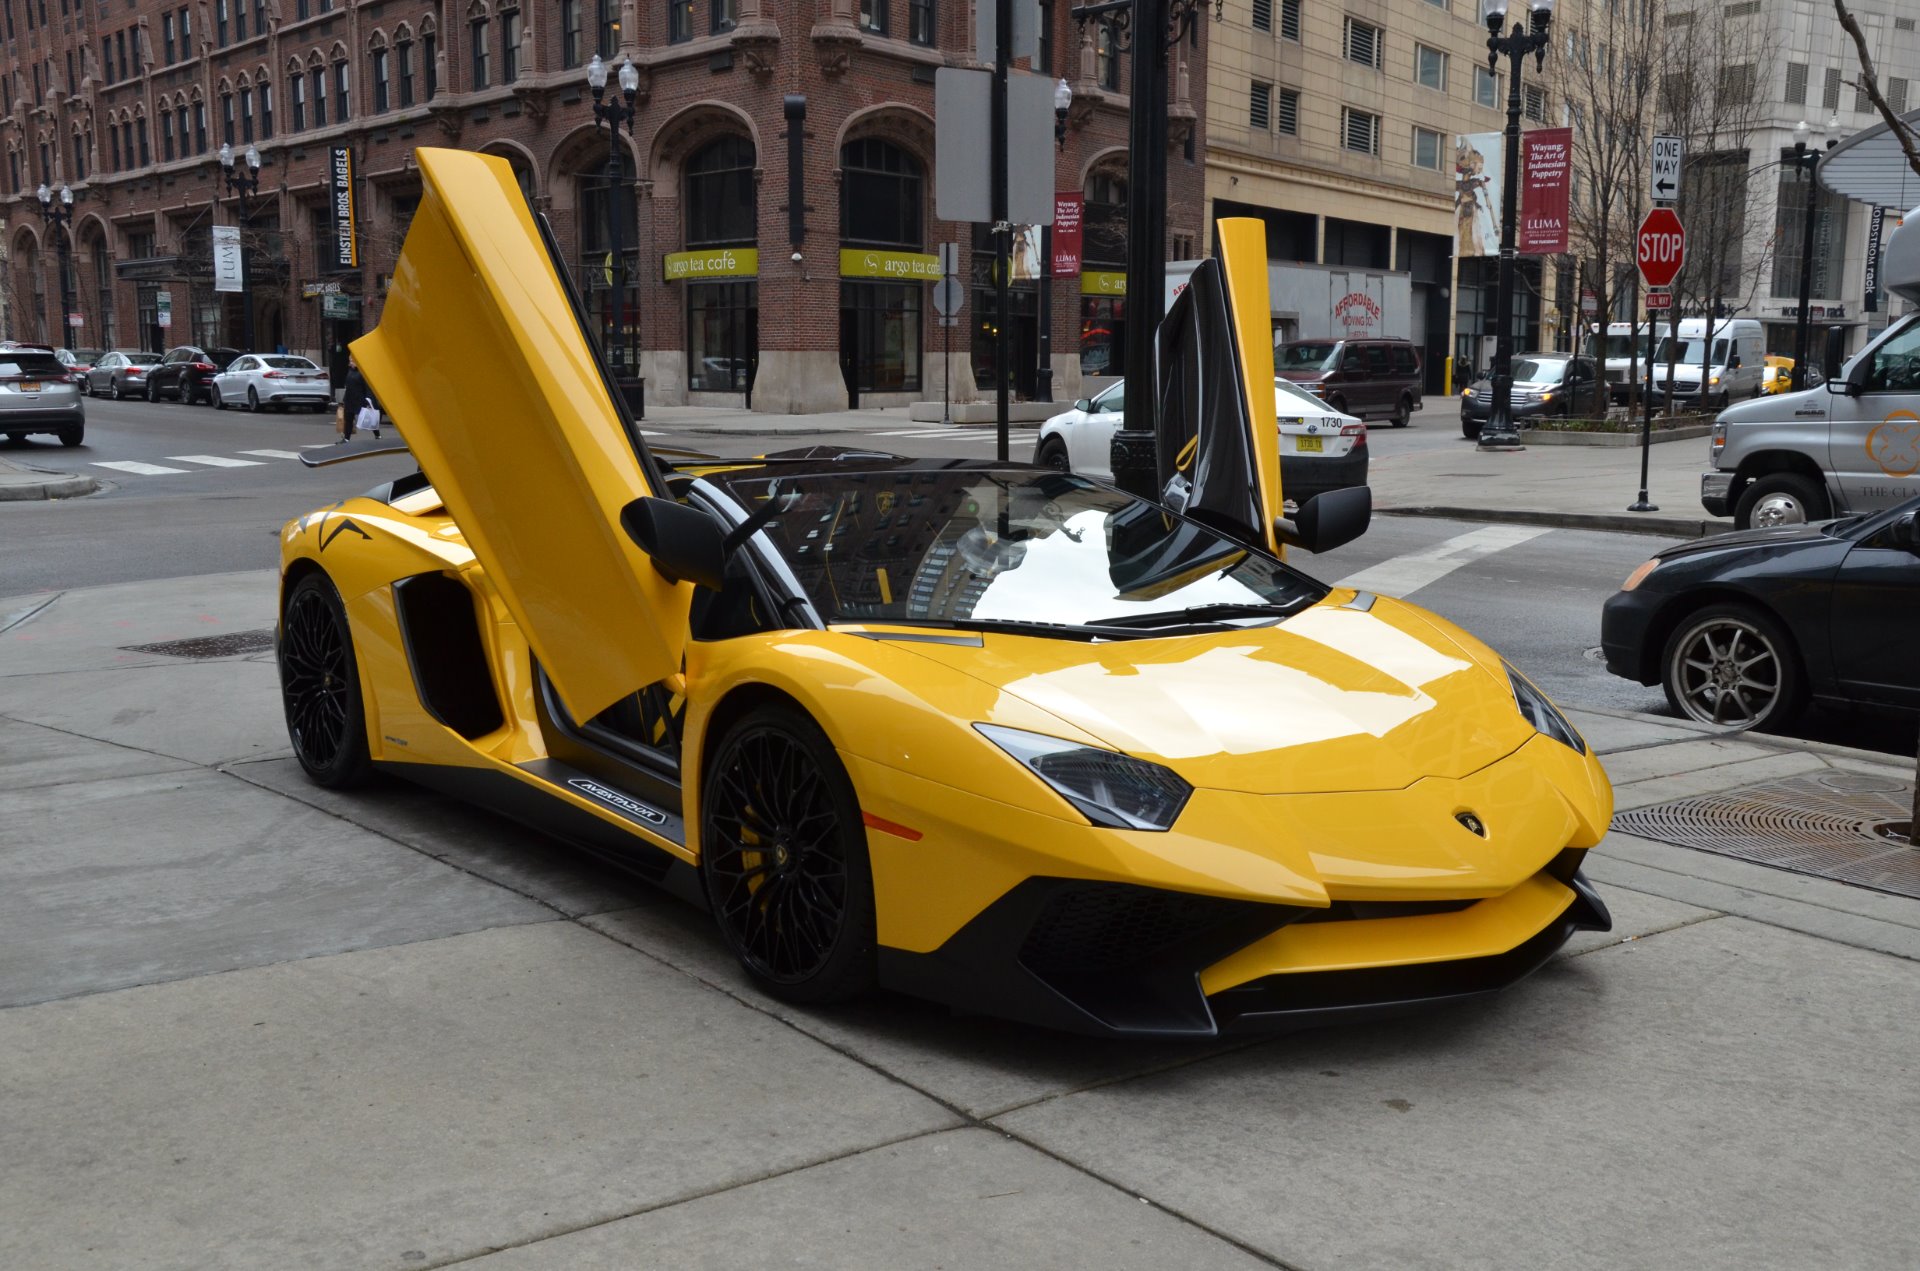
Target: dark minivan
1356 377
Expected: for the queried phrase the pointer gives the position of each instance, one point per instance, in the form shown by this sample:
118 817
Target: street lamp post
59 216
1499 430
1808 157
243 182
614 113
1043 381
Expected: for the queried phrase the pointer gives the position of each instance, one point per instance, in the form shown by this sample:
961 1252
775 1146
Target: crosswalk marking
273 454
137 469
1404 575
216 461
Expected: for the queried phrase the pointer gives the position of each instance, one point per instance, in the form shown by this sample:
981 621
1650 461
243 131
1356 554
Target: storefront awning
1869 167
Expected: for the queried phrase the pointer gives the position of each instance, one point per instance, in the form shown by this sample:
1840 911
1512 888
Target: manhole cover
1828 824
221 646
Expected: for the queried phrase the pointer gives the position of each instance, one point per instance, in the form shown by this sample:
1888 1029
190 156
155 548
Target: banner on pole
1067 205
343 252
1546 168
226 258
1478 167
1872 282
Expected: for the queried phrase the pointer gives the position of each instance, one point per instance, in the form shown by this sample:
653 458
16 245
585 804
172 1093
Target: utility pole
1002 229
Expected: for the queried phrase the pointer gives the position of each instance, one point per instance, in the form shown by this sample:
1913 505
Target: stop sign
1662 247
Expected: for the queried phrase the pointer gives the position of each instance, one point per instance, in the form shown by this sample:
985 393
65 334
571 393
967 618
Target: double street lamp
243 182
59 216
1531 37
1807 157
613 113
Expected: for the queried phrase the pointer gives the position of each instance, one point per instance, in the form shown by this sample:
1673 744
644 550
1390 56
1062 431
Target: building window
166 36
1286 114
342 97
606 202
723 336
1429 68
1290 20
570 33
722 16
679 21
430 62
103 292
720 194
180 117
882 195
240 19
1536 103
1897 94
1260 107
1830 98
246 115
509 44
1734 84
1862 101
266 111
227 130
1106 61
1796 83
120 49
1263 15
478 29
79 156
1426 149
317 86
186 33
299 94
220 22
1359 131
379 81
920 24
1486 88
880 335
199 127
166 135
1364 43
873 16
113 136
146 147
607 40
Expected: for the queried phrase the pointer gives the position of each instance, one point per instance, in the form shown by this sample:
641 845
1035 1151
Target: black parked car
186 372
1742 629
1544 384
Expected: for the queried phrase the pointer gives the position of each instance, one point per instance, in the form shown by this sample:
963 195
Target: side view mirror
1329 520
684 544
1905 532
1082 403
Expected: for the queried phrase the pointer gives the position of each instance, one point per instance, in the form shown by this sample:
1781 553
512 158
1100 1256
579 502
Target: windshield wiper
1201 615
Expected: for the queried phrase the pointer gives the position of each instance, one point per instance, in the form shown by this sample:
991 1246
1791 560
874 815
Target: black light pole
1043 382
243 182
1807 157
1499 430
614 113
1149 28
59 216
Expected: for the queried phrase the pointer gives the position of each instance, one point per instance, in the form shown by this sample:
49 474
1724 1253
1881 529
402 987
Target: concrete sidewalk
19 482
245 1022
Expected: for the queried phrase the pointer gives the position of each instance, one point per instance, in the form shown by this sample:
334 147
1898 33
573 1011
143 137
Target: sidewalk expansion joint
28 615
1644 935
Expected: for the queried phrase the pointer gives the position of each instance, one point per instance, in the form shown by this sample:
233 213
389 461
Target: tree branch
1870 80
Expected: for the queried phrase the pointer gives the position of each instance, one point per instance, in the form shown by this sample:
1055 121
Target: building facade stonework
732 297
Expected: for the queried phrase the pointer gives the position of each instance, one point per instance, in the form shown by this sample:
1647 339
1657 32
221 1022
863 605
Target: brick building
732 298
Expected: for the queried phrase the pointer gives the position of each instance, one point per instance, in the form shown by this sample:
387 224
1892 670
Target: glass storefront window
722 336
881 193
1104 219
720 194
880 335
1103 334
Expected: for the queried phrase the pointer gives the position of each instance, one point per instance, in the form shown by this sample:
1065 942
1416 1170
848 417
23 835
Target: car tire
1470 428
213 397
1780 498
253 400
73 436
1733 666
151 394
320 686
1339 403
1403 412
1053 454
803 925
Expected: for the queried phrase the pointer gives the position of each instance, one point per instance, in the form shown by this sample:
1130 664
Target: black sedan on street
1544 384
1743 629
187 372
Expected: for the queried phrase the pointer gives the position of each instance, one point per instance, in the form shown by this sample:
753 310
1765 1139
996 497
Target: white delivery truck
1736 370
1614 349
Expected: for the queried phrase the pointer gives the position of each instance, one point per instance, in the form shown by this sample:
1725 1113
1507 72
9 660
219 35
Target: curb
765 432
1621 522
54 486
1708 732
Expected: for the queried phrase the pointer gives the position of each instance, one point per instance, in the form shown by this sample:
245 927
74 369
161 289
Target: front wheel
1053 454
320 686
1403 411
1783 498
213 396
1732 666
1469 428
152 393
784 859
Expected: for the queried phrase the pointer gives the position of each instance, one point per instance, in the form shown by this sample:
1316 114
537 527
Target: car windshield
1688 352
142 359
23 362
1539 370
1304 357
289 363
1023 548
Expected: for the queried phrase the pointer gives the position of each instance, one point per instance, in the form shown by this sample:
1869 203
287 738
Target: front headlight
1109 788
1639 575
1541 713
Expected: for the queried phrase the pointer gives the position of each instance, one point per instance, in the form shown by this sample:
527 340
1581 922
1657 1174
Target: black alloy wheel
784 859
320 686
1732 666
1053 454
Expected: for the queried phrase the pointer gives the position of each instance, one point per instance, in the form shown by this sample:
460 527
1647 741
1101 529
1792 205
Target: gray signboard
963 146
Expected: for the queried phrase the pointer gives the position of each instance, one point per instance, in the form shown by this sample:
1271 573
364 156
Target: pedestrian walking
358 411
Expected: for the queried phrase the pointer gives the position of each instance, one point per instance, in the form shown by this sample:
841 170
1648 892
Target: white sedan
278 380
1320 448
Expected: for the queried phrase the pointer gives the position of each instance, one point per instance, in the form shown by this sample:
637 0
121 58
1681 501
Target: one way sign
1665 178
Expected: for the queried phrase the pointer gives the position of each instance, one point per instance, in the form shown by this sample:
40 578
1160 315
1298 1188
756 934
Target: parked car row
219 377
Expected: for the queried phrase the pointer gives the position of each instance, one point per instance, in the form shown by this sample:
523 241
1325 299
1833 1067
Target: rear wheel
1781 498
73 436
152 394
253 400
213 396
1733 667
320 686
1053 454
784 859
1338 403
1403 411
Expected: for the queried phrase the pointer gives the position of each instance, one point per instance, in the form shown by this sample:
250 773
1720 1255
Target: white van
1613 348
1736 372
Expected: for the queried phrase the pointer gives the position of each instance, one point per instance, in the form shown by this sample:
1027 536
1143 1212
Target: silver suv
37 397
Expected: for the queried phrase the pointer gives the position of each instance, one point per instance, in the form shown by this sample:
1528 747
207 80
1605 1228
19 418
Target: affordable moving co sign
344 252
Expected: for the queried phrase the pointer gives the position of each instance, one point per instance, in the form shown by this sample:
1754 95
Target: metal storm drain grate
230 645
1830 824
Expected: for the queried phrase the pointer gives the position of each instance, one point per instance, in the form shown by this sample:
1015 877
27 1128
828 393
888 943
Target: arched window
403 63
882 194
509 41
380 69
430 54
720 193
342 88
1105 218
477 22
166 131
263 87
228 128
317 90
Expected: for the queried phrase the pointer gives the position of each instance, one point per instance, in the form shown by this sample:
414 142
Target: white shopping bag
368 420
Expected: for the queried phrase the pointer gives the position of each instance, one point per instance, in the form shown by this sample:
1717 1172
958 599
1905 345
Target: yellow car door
1218 434
481 360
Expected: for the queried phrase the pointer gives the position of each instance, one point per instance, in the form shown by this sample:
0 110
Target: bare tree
1903 132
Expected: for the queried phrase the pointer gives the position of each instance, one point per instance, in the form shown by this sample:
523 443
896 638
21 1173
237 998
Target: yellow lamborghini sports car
991 734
